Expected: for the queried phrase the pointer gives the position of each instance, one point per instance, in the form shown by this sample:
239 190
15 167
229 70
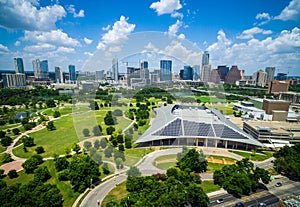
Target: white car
221 200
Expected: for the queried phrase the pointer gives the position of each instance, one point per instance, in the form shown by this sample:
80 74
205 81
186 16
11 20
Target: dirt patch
220 161
15 165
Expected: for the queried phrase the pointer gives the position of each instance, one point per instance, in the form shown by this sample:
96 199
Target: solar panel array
196 129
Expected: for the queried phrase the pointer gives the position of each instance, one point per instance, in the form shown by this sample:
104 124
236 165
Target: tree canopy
193 160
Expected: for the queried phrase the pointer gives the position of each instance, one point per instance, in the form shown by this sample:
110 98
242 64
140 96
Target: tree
87 145
94 105
105 168
97 144
108 152
32 163
2 134
133 172
128 144
193 160
117 112
41 174
67 151
61 164
119 163
120 138
39 150
50 103
12 174
76 148
81 170
6 141
28 141
1 175
86 132
97 130
56 114
16 131
5 158
121 147
50 126
97 158
110 130
109 119
103 143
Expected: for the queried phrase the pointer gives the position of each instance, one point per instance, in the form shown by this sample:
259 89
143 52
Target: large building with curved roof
180 125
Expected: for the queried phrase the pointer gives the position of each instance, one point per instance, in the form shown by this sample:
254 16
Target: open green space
225 108
135 154
253 157
9 126
110 168
165 157
52 141
2 149
165 165
22 178
116 194
212 167
209 186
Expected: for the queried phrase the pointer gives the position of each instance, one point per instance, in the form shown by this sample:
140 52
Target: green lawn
8 126
165 165
2 149
135 154
253 157
209 186
111 170
226 108
22 178
166 157
165 162
116 194
53 141
212 167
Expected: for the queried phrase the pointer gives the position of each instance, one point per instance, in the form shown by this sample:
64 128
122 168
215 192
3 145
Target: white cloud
173 29
117 34
291 12
166 6
106 28
177 15
56 37
255 54
249 33
87 41
3 48
89 54
17 43
43 47
181 36
72 10
65 50
263 16
20 14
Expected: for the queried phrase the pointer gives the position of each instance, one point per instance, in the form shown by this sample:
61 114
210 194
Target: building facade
205 73
58 75
277 86
223 71
260 78
215 77
270 105
40 69
19 66
72 73
205 58
270 74
115 69
14 80
166 70
234 75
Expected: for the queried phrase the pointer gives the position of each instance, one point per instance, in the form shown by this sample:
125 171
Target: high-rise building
187 73
223 71
260 78
72 72
196 72
133 74
166 70
115 69
214 76
270 73
145 72
40 69
205 73
205 58
234 75
59 75
19 67
99 75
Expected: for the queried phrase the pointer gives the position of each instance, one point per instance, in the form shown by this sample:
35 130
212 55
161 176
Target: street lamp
91 183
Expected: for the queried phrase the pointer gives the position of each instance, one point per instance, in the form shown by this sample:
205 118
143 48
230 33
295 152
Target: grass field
22 178
8 126
212 167
253 157
53 141
134 155
222 157
209 186
116 194
2 149
227 109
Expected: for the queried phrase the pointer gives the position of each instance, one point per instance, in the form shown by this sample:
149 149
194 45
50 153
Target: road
270 196
147 168
99 193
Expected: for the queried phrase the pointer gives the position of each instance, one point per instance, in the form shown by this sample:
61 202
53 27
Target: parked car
239 204
221 200
262 205
278 184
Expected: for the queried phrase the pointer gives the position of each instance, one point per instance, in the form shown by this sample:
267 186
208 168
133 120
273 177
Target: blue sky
252 34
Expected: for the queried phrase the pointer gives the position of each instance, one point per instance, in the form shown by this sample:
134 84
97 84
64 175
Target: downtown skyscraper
166 70
40 69
19 66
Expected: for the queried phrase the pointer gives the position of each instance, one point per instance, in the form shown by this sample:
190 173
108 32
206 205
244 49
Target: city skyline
252 34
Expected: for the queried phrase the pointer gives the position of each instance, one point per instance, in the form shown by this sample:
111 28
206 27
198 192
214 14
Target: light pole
91 183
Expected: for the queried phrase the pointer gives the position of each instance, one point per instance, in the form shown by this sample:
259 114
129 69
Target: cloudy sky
252 34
